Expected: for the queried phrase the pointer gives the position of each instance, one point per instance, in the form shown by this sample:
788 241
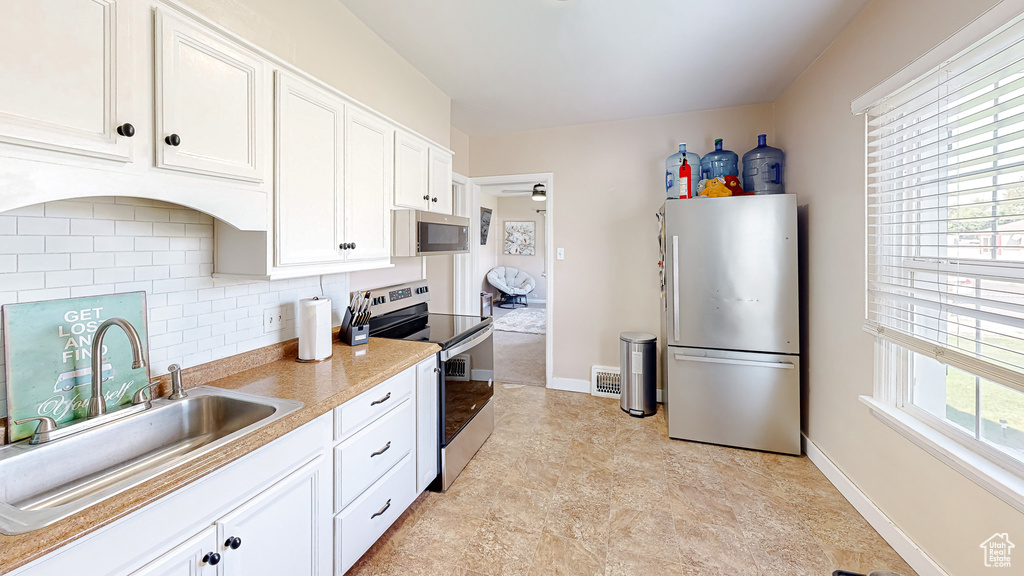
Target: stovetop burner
444 329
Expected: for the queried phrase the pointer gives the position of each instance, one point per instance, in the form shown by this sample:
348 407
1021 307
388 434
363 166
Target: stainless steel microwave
420 233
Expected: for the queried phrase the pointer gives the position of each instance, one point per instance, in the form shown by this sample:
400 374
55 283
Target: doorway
523 338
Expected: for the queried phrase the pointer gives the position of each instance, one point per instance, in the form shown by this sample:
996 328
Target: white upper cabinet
411 166
308 194
368 167
210 100
441 181
65 69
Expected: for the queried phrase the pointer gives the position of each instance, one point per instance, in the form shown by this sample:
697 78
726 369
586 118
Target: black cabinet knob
173 140
211 558
126 130
233 542
344 246
426 197
352 245
434 199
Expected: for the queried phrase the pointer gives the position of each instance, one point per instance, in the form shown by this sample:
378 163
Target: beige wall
608 185
523 209
324 38
441 280
946 514
460 146
489 251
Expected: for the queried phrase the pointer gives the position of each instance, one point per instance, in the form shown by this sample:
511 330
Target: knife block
351 334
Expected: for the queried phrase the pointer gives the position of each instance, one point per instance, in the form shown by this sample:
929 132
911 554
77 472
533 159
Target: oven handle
483 335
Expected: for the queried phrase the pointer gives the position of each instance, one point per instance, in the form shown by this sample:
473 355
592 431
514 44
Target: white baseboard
570 385
900 542
659 400
532 301
482 375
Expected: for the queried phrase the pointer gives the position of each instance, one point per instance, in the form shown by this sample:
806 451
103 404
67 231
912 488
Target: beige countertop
320 386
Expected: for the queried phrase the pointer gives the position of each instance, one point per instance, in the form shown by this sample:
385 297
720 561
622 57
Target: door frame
467 294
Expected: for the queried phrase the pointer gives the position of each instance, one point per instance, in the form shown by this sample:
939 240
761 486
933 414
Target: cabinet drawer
373 403
371 452
359 526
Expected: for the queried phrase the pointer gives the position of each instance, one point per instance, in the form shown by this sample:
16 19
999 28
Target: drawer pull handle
382 400
382 510
382 450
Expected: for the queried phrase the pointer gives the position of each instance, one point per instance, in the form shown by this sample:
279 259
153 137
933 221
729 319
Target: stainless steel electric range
466 368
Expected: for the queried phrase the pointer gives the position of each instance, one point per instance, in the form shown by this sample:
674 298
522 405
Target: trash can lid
637 337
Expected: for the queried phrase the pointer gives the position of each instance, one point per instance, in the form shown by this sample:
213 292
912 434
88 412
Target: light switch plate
560 254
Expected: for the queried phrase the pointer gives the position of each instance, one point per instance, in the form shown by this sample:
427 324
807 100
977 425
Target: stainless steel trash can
637 357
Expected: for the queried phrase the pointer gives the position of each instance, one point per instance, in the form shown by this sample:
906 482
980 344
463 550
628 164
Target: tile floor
569 485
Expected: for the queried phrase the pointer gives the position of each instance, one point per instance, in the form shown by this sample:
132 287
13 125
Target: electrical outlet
560 254
273 320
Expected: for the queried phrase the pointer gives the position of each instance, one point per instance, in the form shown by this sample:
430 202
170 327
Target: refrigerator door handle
675 287
779 365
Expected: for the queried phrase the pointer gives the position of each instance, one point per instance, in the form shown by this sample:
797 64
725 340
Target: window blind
945 210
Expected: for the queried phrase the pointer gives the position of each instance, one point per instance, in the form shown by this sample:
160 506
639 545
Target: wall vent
605 381
457 368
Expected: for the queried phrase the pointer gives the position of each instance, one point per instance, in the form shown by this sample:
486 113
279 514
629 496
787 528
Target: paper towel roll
314 329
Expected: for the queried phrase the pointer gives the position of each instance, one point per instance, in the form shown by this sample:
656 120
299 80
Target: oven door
467 381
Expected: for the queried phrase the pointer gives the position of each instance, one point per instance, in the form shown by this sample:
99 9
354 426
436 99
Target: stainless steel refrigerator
730 328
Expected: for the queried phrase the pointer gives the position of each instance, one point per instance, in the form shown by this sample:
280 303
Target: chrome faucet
97 404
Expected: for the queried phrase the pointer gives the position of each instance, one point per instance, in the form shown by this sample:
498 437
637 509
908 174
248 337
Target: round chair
514 285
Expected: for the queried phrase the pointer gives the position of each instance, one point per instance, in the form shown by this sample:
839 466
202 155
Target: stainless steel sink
40 484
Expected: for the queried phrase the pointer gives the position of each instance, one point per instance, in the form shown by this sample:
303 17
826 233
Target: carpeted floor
519 358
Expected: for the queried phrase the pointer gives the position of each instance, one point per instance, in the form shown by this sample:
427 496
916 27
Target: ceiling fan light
539 193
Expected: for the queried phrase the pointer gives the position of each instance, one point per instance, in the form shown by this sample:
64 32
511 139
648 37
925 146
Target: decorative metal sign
48 350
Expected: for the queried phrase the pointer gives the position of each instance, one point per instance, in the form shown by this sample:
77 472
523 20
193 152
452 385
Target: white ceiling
512 65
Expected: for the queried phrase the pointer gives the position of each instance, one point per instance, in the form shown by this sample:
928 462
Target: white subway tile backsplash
24 281
18 244
113 212
152 214
107 245
68 209
113 243
69 278
84 227
92 260
168 229
152 243
47 294
43 262
70 244
124 228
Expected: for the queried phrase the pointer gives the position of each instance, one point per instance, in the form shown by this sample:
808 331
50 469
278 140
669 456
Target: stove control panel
401 294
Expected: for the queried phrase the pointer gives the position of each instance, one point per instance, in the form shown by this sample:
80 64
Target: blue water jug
763 167
676 170
719 163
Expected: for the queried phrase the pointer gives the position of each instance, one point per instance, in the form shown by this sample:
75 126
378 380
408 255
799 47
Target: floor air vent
605 381
457 368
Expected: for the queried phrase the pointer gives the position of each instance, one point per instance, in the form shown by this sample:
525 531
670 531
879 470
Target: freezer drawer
731 281
740 399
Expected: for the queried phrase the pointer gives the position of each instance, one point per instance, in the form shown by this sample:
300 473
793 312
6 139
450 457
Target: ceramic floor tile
567 557
569 485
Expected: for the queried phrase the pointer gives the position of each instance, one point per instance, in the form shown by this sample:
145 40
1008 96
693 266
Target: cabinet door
410 172
211 96
428 451
367 182
67 75
284 530
187 559
440 181
308 189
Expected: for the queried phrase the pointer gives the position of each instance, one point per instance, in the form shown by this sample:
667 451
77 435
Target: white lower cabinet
358 526
427 428
271 512
192 558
